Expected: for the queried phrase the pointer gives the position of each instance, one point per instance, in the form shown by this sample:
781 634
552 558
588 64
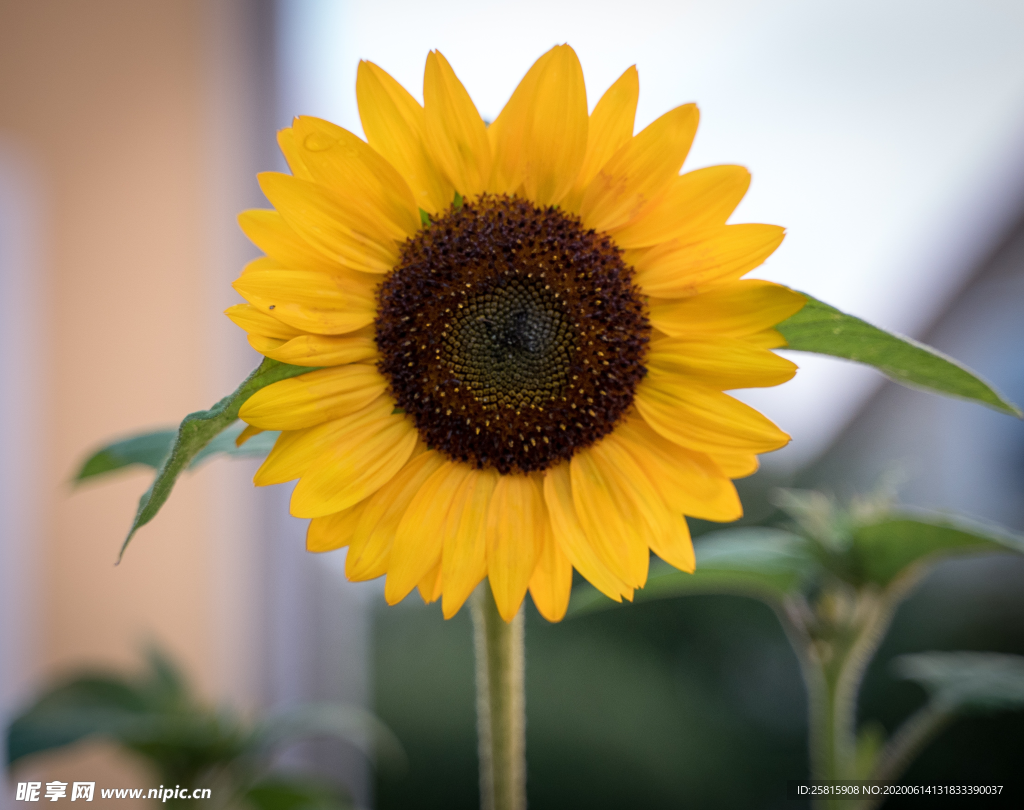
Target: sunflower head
521 337
512 335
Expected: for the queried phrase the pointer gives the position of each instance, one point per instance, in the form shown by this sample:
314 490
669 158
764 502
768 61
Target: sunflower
521 332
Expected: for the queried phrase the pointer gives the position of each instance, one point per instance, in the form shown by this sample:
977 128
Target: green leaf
154 714
122 708
762 563
89 704
197 430
163 687
884 550
152 449
823 329
967 681
149 449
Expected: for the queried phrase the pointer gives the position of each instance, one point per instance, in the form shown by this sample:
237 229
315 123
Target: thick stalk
854 663
500 704
832 689
847 685
819 706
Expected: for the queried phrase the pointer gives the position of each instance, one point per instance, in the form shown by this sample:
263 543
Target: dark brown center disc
510 334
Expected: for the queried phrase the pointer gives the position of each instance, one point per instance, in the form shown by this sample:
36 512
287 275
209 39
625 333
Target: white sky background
886 135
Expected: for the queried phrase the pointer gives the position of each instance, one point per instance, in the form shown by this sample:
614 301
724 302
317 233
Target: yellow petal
287 460
430 586
556 140
611 125
455 133
347 166
609 519
689 482
692 203
703 419
540 138
464 557
333 531
508 133
370 550
247 434
667 533
264 344
683 267
313 398
675 547
767 339
735 465
257 322
355 465
326 350
332 222
322 303
571 538
737 310
640 170
719 362
627 478
296 451
419 537
289 146
551 582
393 122
516 522
269 231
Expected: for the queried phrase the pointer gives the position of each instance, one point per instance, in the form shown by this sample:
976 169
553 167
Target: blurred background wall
131 134
128 142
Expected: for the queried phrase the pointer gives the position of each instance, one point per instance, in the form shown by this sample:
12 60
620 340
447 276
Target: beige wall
141 125
133 117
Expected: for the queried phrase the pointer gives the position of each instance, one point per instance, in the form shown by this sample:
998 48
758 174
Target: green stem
845 689
832 689
500 704
833 686
819 707
904 746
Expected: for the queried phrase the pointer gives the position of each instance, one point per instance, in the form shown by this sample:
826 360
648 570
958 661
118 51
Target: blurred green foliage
157 717
631 708
692 692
